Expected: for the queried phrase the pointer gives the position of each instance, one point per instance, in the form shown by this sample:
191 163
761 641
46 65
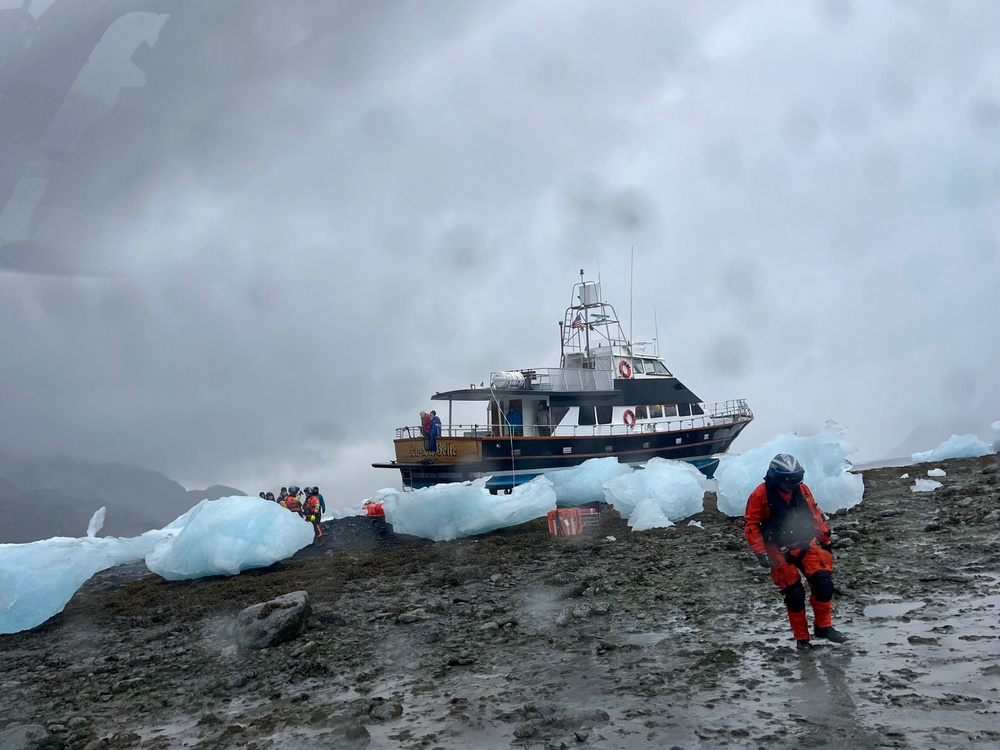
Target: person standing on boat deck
542 420
434 431
514 420
425 429
788 534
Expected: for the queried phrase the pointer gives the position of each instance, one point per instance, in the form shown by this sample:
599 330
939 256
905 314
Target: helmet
293 490
784 469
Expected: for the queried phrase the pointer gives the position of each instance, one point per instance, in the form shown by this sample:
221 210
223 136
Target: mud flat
668 638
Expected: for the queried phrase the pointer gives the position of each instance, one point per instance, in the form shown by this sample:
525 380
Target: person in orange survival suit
311 510
788 534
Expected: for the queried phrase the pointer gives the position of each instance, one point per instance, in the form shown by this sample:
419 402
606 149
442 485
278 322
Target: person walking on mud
788 534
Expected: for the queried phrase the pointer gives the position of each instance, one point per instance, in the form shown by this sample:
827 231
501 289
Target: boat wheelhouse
608 397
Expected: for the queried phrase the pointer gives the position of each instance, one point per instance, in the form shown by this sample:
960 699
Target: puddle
891 609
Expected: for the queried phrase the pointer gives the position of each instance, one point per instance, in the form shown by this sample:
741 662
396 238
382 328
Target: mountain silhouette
45 496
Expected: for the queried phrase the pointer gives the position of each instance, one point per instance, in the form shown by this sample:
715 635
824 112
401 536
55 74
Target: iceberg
216 537
656 496
824 457
957 446
227 536
451 511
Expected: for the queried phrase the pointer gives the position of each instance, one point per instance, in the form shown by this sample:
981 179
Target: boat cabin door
498 417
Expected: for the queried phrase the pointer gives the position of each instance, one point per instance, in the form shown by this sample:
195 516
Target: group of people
430 429
307 502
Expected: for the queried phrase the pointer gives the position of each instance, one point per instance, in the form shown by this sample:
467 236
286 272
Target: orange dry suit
311 512
293 503
790 529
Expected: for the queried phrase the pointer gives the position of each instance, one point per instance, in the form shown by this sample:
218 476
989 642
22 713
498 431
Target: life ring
625 369
629 416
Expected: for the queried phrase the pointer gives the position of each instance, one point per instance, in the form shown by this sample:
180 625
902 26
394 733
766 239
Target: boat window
641 413
604 414
657 367
670 410
637 367
587 416
684 410
655 411
696 409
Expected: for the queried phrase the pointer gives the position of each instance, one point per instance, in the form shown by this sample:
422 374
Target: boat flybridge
608 397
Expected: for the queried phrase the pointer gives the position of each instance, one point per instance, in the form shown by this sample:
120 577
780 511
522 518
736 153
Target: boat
608 397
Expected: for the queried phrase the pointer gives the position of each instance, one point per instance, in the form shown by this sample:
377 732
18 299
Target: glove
763 560
828 547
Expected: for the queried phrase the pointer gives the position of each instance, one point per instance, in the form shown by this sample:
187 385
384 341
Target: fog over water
241 242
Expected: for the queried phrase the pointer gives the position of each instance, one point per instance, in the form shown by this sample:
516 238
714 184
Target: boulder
18 736
271 623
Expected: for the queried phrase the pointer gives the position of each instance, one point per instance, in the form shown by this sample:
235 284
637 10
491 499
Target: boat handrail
563 379
722 412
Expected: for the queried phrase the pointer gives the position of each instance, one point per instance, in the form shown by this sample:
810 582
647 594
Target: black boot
831 634
804 645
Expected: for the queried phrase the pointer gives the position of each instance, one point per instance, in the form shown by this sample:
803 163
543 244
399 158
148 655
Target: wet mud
667 638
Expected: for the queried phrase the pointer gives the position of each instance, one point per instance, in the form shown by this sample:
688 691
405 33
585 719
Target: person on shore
434 431
282 494
292 500
311 511
787 532
270 497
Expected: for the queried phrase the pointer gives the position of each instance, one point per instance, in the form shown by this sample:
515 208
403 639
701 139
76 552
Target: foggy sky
258 236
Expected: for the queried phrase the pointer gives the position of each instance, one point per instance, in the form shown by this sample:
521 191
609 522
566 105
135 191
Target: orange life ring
625 369
629 417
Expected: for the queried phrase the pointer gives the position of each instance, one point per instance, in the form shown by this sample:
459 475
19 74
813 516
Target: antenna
656 334
631 276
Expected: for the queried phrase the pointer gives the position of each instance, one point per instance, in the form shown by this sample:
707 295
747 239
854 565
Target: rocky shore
660 639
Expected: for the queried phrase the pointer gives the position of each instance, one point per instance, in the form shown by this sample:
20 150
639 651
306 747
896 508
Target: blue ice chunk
823 456
38 579
226 536
957 446
585 483
453 511
658 494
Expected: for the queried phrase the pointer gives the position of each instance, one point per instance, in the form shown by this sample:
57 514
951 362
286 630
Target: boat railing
562 379
716 414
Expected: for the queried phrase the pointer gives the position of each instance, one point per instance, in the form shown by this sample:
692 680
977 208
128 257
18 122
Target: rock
382 710
414 615
22 736
274 622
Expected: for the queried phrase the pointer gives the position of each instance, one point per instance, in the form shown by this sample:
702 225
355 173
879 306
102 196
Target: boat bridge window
656 367
684 410
591 415
670 410
655 411
641 412
637 367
